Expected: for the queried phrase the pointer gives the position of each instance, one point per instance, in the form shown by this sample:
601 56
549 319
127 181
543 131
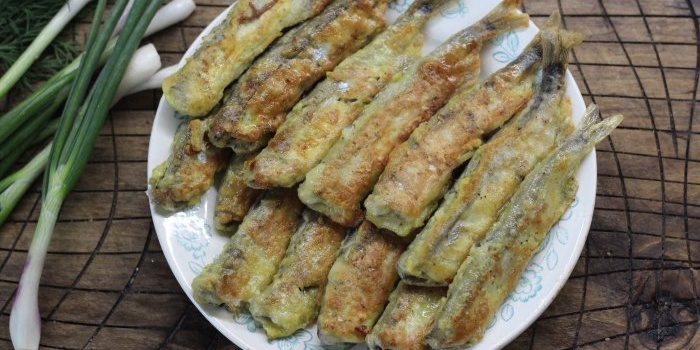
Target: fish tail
531 56
592 129
590 116
551 26
553 22
530 59
504 18
557 45
556 49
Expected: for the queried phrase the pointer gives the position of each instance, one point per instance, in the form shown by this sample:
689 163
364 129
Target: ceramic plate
189 241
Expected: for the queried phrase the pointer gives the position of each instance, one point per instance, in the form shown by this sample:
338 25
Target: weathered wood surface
107 285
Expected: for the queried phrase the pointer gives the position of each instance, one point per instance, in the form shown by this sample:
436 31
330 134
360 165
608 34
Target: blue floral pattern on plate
246 319
460 10
509 45
192 234
530 283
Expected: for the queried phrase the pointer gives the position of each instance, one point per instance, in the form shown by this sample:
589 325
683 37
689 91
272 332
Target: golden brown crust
316 122
339 184
419 170
432 158
234 198
407 319
189 171
262 97
359 285
230 48
252 255
293 299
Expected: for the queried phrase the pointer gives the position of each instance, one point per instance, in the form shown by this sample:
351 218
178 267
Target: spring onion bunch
141 74
28 31
40 102
34 115
82 118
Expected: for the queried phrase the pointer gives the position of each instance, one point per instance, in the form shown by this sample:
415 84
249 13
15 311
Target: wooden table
107 285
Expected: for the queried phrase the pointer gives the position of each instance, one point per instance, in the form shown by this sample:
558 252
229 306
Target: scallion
69 154
32 114
31 49
140 73
10 122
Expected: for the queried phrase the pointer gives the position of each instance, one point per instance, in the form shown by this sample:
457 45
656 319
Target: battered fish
407 319
493 268
234 198
420 169
359 285
293 300
251 257
180 180
337 186
259 101
494 174
230 48
316 122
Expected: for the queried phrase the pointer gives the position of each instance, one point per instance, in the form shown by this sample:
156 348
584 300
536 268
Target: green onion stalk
140 75
38 101
34 114
81 121
41 41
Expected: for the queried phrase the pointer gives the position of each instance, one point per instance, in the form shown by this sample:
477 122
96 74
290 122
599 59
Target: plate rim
207 310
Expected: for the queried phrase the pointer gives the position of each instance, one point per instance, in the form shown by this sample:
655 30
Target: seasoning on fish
407 318
252 255
359 285
180 180
234 198
230 48
293 299
419 170
315 123
259 101
494 174
493 267
337 186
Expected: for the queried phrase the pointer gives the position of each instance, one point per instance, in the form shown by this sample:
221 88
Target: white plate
189 242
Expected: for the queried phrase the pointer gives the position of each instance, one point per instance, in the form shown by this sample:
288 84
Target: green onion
38 101
28 121
13 187
28 31
142 70
17 143
71 149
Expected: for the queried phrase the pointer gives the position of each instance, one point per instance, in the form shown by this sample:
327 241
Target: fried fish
252 255
315 122
359 284
180 180
493 268
259 101
230 48
337 186
234 198
419 170
293 300
494 174
407 319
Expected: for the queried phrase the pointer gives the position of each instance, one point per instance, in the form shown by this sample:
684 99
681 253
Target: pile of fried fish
390 197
